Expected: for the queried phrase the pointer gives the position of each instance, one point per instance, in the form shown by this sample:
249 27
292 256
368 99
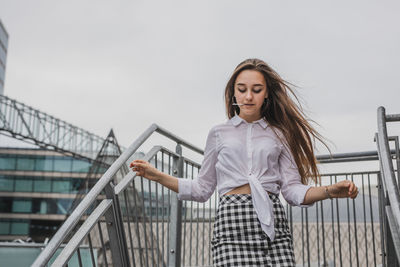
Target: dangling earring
236 108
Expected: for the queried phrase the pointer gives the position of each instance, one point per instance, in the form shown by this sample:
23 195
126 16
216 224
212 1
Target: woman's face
250 90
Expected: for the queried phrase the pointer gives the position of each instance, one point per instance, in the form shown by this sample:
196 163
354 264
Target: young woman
263 149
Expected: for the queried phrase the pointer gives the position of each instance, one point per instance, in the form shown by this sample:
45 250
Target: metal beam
34 126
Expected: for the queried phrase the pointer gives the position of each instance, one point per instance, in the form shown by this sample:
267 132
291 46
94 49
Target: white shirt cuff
184 189
302 195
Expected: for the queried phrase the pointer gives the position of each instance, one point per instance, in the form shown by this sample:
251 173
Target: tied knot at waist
263 206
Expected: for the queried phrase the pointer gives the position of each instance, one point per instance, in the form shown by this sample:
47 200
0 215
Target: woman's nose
249 95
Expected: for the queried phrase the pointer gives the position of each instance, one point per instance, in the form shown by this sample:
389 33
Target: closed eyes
255 91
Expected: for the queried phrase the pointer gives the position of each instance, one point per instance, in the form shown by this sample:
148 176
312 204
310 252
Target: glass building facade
3 55
37 189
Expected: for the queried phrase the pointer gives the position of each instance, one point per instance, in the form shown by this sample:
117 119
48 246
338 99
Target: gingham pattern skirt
238 239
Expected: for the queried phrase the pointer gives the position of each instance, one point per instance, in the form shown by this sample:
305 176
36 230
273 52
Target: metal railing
141 223
389 190
339 232
119 226
20 253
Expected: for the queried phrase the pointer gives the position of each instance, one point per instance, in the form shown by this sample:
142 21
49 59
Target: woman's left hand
343 189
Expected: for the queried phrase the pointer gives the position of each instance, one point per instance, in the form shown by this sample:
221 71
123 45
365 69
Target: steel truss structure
31 125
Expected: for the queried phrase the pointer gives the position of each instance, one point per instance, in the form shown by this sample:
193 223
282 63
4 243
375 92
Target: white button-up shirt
238 153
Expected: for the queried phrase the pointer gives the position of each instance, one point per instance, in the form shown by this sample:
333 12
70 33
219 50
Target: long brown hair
282 113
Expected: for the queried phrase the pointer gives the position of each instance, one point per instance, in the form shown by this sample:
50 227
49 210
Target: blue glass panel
43 207
80 165
22 206
6 183
42 185
44 164
76 184
62 164
39 206
19 228
7 163
4 228
23 184
25 164
102 170
61 185
63 205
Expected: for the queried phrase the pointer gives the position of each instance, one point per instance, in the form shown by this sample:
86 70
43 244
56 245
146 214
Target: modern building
42 181
3 55
37 189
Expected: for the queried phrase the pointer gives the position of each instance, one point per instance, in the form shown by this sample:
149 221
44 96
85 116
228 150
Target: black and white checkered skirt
238 239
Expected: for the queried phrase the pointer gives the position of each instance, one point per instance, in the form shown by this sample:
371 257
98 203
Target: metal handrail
89 223
388 176
350 156
107 177
105 180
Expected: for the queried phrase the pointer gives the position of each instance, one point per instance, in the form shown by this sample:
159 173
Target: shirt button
263 236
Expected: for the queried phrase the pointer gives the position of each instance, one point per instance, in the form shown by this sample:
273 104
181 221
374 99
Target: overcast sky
127 64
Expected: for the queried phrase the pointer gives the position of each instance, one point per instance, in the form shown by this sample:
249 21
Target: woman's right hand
145 169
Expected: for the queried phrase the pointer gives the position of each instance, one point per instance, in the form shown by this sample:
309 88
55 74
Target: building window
63 205
61 185
6 183
25 164
7 163
43 207
19 228
42 185
45 164
4 228
39 206
62 164
76 184
20 205
14 227
80 166
23 184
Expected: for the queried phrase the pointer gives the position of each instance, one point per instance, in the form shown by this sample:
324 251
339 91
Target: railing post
175 226
382 215
391 196
115 228
391 256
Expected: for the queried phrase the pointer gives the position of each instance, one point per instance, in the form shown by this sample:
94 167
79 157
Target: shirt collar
236 120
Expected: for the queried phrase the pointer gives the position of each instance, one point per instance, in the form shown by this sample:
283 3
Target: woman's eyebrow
257 84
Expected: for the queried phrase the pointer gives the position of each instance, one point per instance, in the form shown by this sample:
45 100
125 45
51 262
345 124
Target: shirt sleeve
291 186
201 188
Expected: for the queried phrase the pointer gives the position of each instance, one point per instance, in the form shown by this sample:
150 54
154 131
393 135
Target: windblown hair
282 113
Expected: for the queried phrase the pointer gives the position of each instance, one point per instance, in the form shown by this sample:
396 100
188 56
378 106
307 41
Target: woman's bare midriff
243 189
